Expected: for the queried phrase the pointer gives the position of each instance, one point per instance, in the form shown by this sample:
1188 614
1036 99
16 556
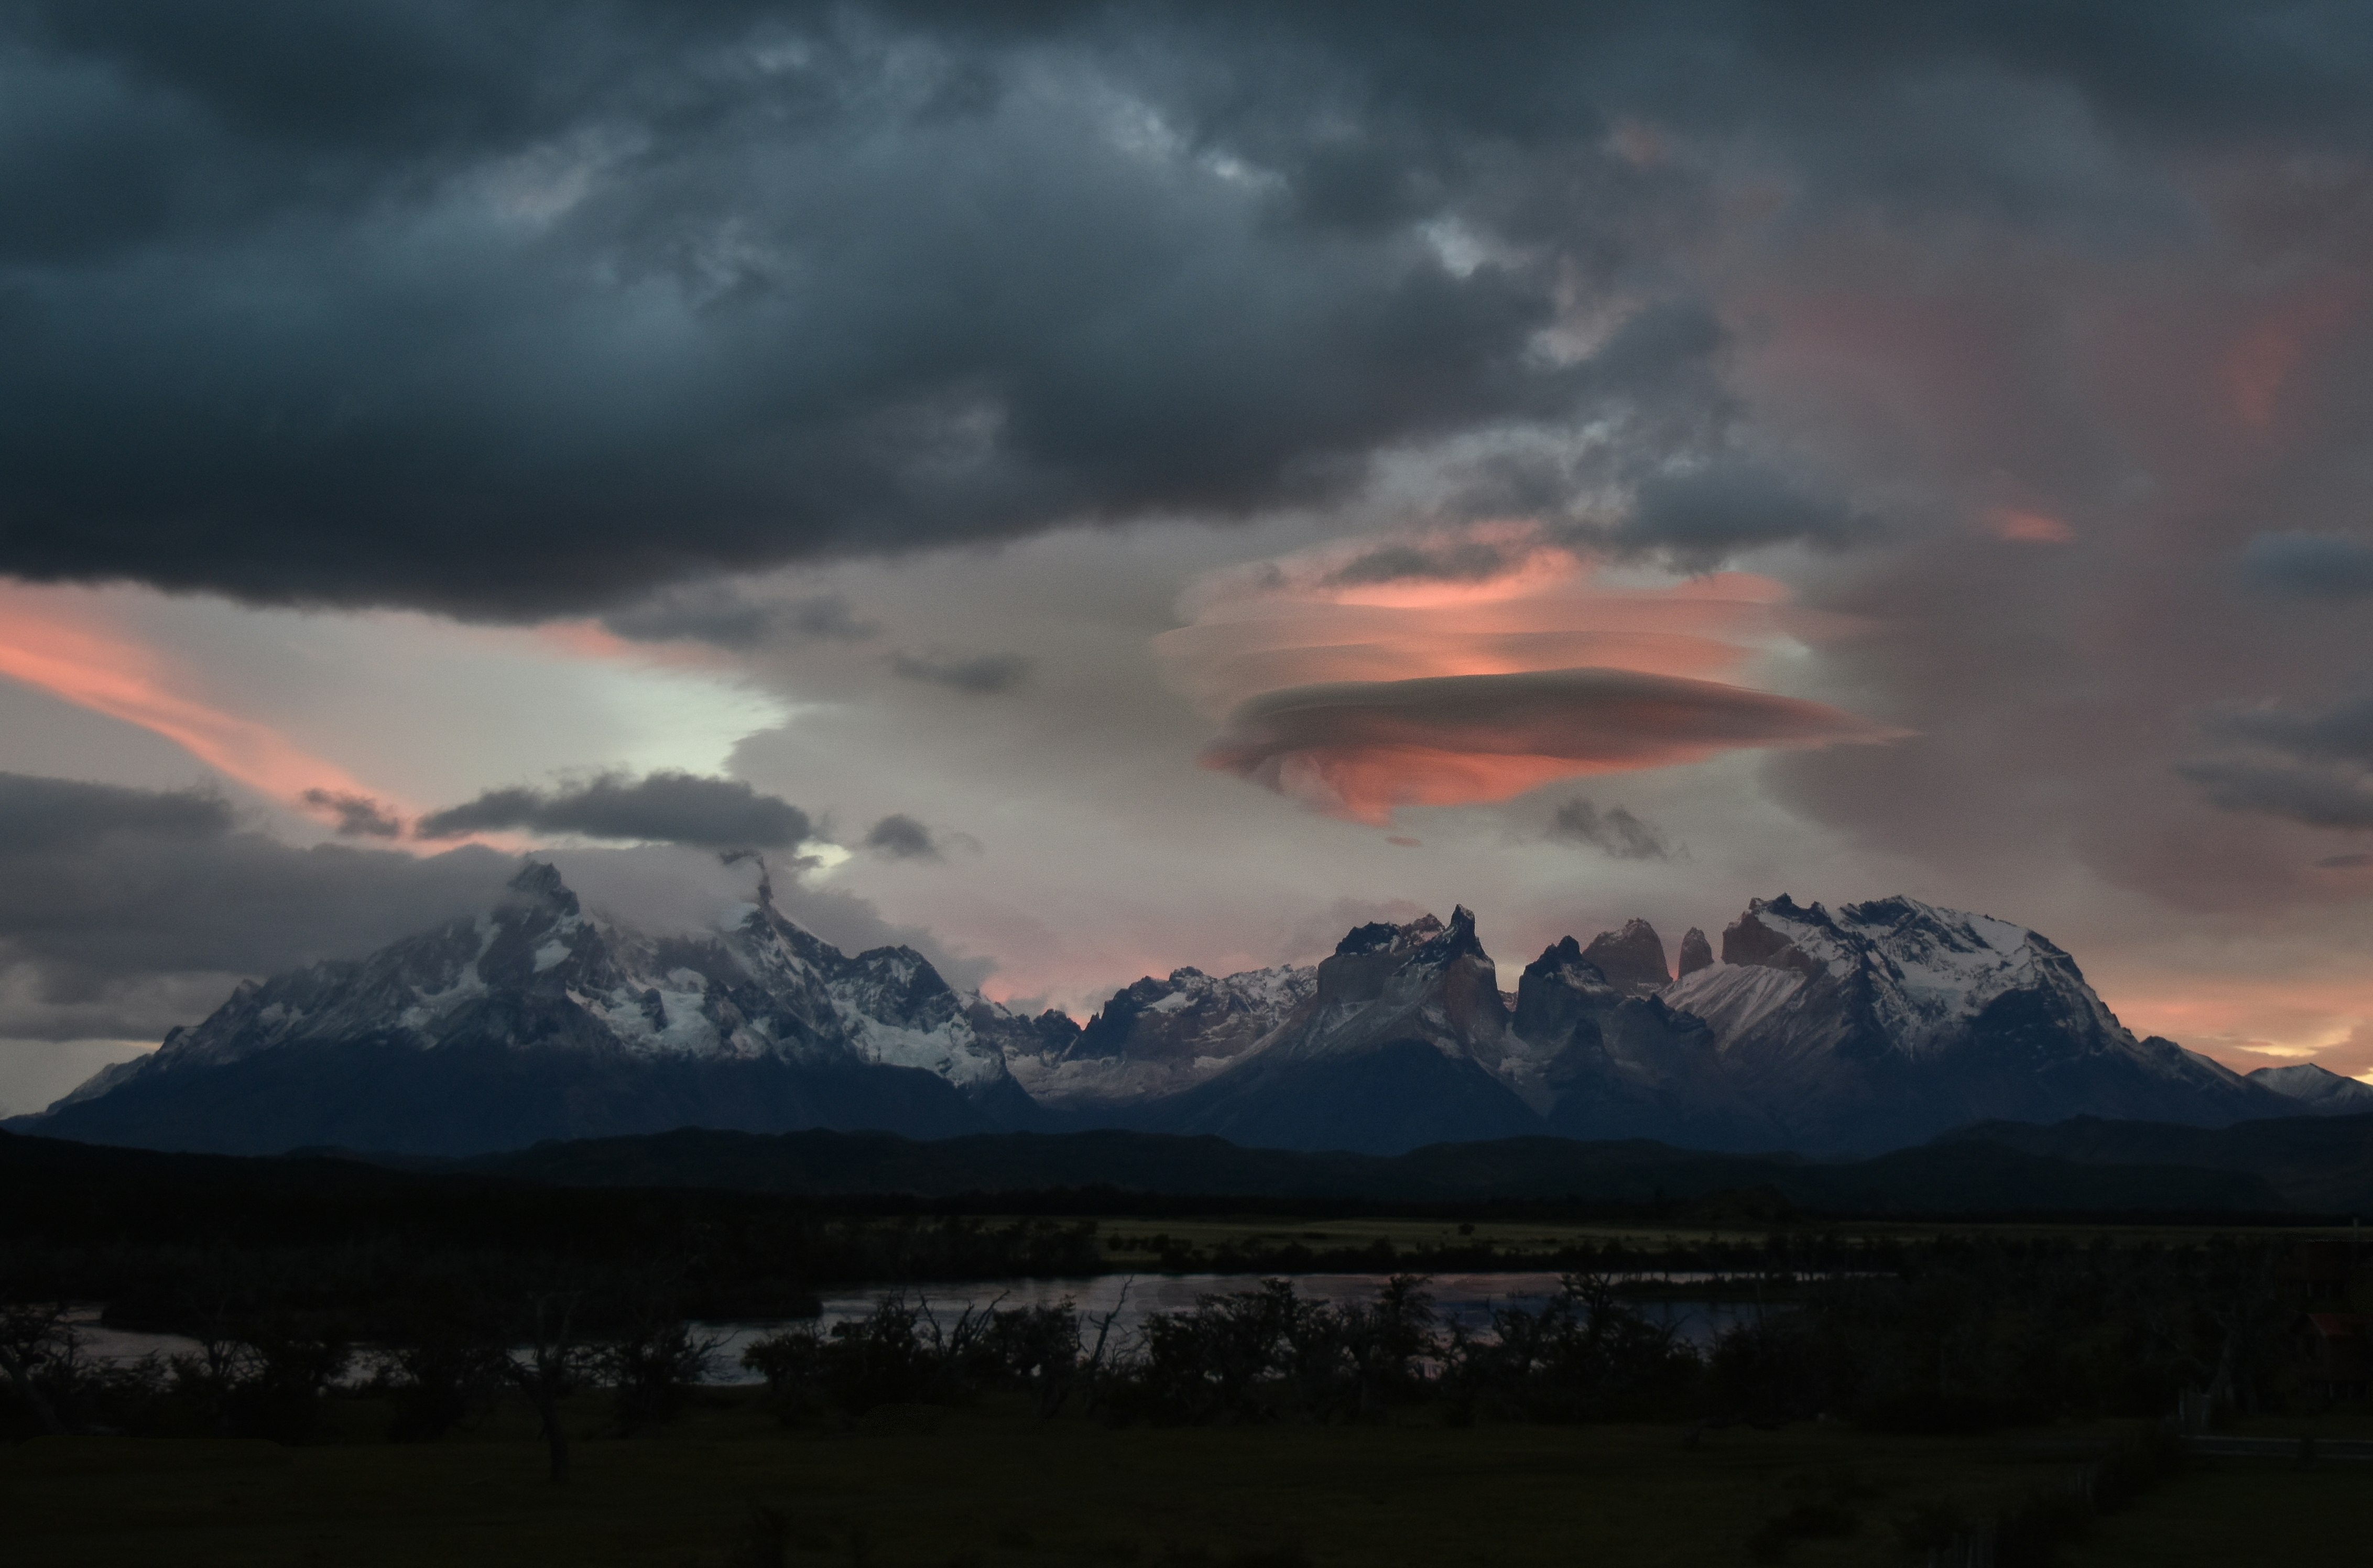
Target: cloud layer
661 808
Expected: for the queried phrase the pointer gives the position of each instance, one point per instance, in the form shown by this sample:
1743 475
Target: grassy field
989 1485
1128 1243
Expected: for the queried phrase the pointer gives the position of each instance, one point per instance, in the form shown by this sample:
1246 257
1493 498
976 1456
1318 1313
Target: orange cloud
62 645
2028 528
1353 681
2265 357
1360 749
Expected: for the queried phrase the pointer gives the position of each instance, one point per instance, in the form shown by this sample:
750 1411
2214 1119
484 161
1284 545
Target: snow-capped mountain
1882 1025
2317 1090
1878 1026
1399 1042
1160 1036
535 1019
1891 1021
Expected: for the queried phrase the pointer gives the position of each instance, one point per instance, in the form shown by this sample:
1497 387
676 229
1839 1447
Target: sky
1087 489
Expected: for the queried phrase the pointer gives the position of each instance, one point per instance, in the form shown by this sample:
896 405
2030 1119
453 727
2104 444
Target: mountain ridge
1880 1026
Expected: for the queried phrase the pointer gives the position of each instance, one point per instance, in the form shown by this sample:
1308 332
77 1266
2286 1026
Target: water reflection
1466 1299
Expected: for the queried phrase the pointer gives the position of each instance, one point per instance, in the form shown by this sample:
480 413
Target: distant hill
1965 1176
2324 1162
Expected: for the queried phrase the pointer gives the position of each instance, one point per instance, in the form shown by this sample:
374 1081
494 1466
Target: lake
1466 1299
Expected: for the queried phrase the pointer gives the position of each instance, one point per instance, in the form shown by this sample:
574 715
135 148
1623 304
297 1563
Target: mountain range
1878 1027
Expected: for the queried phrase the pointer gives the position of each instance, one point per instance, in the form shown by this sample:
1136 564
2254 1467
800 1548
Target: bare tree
549 1368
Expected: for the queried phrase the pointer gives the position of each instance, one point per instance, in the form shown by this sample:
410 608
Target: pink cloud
64 644
1359 698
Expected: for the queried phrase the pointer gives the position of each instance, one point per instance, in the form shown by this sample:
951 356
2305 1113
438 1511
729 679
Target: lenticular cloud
1359 700
1360 749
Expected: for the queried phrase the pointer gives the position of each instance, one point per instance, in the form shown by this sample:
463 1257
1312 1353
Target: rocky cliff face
1632 959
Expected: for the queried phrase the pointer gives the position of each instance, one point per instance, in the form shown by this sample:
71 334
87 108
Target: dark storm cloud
726 616
1697 518
509 309
355 816
68 815
1614 831
105 893
666 807
2310 565
900 838
983 674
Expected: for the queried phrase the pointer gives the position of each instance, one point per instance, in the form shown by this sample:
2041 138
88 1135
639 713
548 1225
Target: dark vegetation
334 1303
2300 1165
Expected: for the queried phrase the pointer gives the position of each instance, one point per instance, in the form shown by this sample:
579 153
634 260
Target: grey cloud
726 616
2318 797
984 674
68 815
665 807
2309 566
1614 831
567 304
2345 862
121 909
1464 561
2343 732
900 838
1699 517
355 816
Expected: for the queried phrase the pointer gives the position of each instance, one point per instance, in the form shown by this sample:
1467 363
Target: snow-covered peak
1921 970
2318 1088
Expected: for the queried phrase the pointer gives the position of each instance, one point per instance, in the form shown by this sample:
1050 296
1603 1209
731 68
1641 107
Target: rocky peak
1382 936
1765 936
538 886
1696 954
1632 959
2318 1088
1557 990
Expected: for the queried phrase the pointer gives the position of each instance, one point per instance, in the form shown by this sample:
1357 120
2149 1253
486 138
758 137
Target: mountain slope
1397 1044
536 1020
1159 1037
2317 1090
1892 1020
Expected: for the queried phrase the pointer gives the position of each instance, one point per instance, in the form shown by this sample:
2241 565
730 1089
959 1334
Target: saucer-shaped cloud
1360 749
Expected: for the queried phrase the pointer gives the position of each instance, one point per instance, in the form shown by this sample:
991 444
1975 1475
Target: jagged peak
537 885
1696 953
1381 936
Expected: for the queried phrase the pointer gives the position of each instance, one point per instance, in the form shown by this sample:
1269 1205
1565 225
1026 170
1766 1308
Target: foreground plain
991 1485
